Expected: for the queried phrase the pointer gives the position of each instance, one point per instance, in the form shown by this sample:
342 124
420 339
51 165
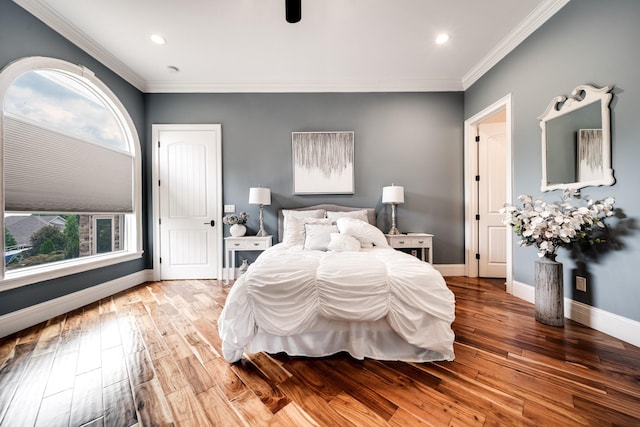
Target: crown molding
58 23
432 85
532 22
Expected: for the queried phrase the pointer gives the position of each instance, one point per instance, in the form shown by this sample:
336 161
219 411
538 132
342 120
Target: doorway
488 187
187 194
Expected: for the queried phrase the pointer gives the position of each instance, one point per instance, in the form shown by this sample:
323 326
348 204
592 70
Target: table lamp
393 195
260 196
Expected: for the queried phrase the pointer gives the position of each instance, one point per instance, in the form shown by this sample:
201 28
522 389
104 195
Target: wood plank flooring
150 356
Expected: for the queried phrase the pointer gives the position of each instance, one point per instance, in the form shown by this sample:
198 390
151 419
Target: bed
331 284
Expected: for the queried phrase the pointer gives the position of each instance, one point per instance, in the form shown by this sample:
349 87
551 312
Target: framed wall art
323 162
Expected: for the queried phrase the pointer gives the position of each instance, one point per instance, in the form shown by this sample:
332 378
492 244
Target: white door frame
471 186
155 192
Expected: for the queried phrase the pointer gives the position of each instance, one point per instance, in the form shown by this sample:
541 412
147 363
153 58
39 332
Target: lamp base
394 231
261 232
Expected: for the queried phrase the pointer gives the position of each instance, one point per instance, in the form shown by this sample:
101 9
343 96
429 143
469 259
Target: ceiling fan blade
293 10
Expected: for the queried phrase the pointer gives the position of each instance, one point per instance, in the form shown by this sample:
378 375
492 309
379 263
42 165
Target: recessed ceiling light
173 69
158 39
442 38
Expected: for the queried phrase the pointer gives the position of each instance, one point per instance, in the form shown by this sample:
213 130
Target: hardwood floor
151 356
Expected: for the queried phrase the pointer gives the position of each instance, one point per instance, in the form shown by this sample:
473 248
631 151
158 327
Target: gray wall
588 41
22 35
410 139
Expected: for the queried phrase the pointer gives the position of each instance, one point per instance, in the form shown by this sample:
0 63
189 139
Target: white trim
617 326
22 319
523 291
533 21
155 193
43 272
275 86
471 185
625 329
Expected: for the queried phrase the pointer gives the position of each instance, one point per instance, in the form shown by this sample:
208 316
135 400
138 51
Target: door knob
212 223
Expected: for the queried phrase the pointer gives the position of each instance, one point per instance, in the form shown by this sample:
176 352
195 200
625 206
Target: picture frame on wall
323 162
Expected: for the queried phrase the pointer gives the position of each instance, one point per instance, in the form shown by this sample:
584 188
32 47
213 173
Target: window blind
47 171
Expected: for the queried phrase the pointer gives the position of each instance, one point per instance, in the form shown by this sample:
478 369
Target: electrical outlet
581 283
229 208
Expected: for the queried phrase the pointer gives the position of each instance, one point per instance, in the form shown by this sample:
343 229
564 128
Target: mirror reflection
576 141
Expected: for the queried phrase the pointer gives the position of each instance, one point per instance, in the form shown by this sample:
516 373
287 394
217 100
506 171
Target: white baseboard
625 329
524 291
27 317
450 269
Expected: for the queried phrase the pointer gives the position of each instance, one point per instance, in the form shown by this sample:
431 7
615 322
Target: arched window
71 172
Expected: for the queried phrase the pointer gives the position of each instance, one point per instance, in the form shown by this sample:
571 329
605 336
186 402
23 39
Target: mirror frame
581 96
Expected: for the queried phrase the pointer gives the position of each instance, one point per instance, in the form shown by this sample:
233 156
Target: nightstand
412 241
244 243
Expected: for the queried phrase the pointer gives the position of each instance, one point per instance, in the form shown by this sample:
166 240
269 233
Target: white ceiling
339 45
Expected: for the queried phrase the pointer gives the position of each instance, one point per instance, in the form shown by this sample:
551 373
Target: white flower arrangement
236 219
553 225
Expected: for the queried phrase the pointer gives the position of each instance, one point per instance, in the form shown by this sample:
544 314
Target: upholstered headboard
371 214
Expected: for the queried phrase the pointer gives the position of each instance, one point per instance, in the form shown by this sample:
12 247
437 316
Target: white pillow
315 213
364 232
318 236
343 243
294 232
291 229
361 215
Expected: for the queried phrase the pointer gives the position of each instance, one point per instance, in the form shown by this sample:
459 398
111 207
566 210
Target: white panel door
492 189
188 201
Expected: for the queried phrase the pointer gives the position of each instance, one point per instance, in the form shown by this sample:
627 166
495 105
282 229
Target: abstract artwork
590 166
322 162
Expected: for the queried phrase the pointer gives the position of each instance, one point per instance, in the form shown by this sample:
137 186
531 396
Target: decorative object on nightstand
238 230
393 195
260 196
237 223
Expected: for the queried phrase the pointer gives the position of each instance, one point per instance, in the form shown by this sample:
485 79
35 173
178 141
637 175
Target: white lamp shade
259 196
393 194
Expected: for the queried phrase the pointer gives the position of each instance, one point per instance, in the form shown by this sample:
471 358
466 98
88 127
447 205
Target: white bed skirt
374 340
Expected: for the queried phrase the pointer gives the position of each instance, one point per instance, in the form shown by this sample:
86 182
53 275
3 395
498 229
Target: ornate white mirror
576 140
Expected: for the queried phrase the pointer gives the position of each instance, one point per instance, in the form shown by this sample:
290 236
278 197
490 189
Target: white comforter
288 289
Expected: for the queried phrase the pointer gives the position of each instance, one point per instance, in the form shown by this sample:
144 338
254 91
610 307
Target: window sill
30 275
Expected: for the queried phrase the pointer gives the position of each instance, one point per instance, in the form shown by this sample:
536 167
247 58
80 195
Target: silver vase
549 291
